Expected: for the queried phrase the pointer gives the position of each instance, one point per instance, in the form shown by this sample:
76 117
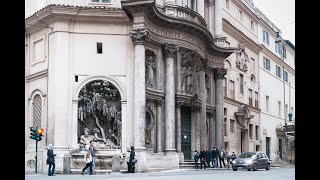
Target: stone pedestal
116 164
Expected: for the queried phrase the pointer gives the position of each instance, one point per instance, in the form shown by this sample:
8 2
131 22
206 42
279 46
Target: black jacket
50 156
202 155
214 153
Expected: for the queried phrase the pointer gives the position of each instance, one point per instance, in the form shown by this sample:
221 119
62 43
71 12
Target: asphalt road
208 174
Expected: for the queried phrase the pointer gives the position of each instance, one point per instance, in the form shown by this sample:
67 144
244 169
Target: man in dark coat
202 158
51 161
208 157
196 158
214 157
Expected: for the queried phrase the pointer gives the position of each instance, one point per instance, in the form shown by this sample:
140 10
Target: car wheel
255 167
268 167
249 169
234 169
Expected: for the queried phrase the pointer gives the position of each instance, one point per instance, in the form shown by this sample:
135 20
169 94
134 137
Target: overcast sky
281 13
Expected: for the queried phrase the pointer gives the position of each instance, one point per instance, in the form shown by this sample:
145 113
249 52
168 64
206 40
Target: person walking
88 159
221 158
228 156
196 159
51 160
93 153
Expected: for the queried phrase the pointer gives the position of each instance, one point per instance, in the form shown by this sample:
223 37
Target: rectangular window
227 4
266 63
99 47
253 65
225 87
225 126
250 131
276 46
252 25
241 15
284 53
231 89
256 100
265 37
250 97
241 83
257 132
232 126
286 111
279 108
285 75
76 78
280 49
267 103
278 71
225 110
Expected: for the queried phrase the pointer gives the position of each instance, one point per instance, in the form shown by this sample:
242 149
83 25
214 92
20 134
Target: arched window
37 110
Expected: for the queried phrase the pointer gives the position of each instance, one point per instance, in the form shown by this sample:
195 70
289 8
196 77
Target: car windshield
247 155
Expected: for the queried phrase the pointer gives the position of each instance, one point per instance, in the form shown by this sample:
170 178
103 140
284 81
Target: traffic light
290 116
39 133
33 133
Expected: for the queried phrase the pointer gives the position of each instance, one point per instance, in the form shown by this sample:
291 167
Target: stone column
169 51
195 128
178 75
178 126
202 94
139 37
159 125
219 75
210 17
211 130
200 7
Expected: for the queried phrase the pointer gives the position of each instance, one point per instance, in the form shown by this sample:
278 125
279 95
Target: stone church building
119 73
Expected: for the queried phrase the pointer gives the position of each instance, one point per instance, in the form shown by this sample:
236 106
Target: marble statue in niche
186 80
150 69
242 60
99 112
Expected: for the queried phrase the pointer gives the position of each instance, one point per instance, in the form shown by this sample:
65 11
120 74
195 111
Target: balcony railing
183 13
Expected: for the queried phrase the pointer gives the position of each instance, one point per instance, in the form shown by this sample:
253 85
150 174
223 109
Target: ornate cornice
152 13
37 75
139 36
220 73
169 50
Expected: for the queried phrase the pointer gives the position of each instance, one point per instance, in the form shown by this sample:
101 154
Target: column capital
210 3
159 102
220 73
195 109
139 36
169 50
178 104
204 64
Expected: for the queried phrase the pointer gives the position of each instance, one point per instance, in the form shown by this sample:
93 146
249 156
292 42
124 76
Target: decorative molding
139 36
159 102
37 75
169 50
179 104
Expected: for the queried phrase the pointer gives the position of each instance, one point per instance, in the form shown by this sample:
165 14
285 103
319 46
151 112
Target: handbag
47 161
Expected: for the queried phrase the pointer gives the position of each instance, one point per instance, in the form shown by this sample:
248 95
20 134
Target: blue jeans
51 168
214 162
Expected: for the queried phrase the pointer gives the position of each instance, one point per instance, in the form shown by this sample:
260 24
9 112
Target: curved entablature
152 14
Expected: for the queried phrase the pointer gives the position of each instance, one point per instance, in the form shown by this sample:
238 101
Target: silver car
251 160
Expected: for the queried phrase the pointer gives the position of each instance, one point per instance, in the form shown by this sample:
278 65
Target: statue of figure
86 138
149 68
186 85
242 57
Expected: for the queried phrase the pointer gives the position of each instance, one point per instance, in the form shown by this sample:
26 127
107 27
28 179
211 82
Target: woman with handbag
88 159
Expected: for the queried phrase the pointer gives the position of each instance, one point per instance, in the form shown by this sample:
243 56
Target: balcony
183 13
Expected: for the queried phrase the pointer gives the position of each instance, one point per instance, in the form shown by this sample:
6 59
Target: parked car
251 160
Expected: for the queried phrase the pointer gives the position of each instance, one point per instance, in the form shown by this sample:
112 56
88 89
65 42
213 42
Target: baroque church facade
146 73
